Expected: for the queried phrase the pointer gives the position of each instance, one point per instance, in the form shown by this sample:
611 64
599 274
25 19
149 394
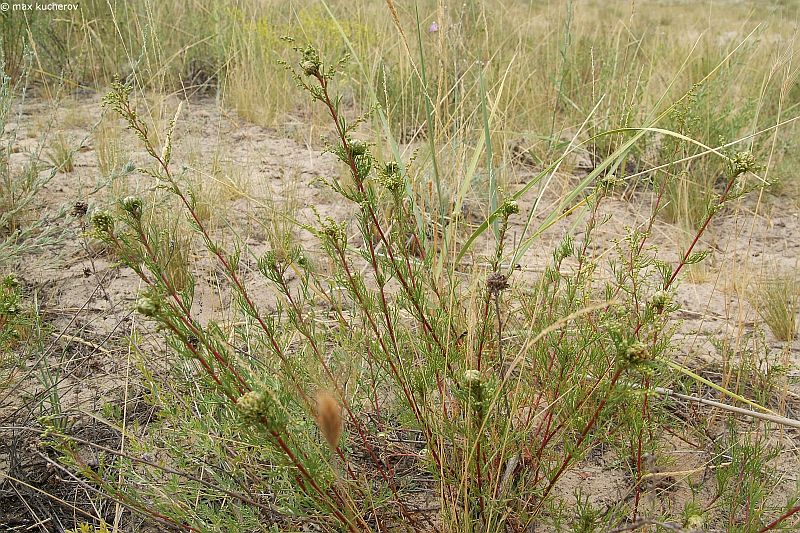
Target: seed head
496 283
80 209
329 418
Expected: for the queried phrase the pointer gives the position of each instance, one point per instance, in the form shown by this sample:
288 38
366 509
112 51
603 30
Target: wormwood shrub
19 185
386 387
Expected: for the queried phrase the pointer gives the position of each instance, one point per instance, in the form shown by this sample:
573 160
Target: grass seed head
329 418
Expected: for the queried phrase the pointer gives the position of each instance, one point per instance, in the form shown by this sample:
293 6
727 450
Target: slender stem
775 523
699 234
585 433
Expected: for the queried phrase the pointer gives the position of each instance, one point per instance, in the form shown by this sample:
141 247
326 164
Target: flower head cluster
259 405
334 231
252 404
310 62
103 222
391 178
742 162
660 300
357 147
509 207
636 353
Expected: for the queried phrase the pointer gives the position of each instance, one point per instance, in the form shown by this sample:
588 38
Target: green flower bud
660 300
310 68
742 162
391 178
363 165
252 405
148 306
103 221
509 207
472 377
334 231
357 147
637 353
695 522
391 168
133 206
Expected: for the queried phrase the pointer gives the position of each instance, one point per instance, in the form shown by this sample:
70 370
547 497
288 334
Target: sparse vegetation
777 300
418 267
61 154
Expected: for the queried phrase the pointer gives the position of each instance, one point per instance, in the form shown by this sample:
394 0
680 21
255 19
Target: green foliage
744 476
88 528
15 319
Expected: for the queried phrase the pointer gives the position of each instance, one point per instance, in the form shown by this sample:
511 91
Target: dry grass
777 300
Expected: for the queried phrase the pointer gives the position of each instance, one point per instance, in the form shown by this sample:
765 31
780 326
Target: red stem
772 525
